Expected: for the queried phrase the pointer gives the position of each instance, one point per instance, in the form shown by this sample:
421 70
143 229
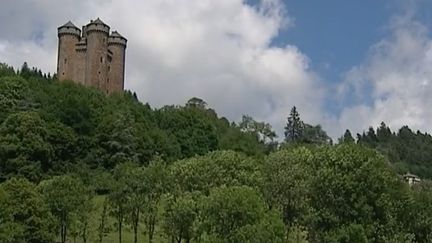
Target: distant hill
408 151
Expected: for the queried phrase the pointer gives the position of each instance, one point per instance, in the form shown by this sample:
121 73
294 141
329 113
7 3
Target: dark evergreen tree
294 127
383 132
347 137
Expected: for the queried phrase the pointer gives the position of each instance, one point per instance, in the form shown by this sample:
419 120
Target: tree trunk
120 230
135 219
84 234
150 228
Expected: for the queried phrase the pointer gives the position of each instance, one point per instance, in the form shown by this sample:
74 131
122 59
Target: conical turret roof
69 24
117 34
98 21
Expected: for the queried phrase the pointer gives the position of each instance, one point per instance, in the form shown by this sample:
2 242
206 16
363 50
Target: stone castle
92 57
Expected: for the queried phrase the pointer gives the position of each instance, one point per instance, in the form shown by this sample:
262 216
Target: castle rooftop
116 34
97 25
97 21
68 24
116 38
69 29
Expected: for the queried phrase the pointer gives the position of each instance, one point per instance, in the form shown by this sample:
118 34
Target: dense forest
79 166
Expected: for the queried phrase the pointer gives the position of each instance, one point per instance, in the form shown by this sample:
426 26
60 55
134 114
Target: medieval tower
92 56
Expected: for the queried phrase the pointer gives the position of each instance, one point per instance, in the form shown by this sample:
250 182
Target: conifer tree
294 127
347 137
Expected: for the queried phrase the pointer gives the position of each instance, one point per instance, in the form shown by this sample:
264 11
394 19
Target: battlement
92 56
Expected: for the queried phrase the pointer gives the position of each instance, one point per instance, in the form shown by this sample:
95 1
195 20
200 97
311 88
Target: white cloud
217 50
398 77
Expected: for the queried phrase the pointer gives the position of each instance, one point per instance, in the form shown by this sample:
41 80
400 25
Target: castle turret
116 57
97 33
68 36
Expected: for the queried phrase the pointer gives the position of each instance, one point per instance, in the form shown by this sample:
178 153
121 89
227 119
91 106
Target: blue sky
345 64
337 34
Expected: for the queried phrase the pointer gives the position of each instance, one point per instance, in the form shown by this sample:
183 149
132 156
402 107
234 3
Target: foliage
287 177
180 217
24 216
67 197
184 174
24 146
215 169
409 151
239 214
294 127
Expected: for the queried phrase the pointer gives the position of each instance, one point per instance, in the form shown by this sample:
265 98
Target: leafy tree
117 136
294 127
215 169
156 180
180 217
119 196
65 196
103 228
6 70
287 176
263 130
355 196
421 223
24 216
233 214
83 217
24 146
315 135
196 102
247 143
144 188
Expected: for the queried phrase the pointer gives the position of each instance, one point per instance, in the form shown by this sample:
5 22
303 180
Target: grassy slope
112 237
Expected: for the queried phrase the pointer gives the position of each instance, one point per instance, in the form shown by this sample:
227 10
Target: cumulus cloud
396 78
217 50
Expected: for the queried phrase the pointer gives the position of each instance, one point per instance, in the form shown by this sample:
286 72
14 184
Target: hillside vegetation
79 166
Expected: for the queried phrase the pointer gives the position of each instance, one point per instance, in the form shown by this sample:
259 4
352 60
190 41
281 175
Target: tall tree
294 127
24 216
239 214
315 135
66 196
347 137
263 130
383 132
24 146
287 175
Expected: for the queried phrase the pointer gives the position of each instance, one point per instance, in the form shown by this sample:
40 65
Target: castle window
99 72
109 68
65 60
108 80
101 59
103 40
